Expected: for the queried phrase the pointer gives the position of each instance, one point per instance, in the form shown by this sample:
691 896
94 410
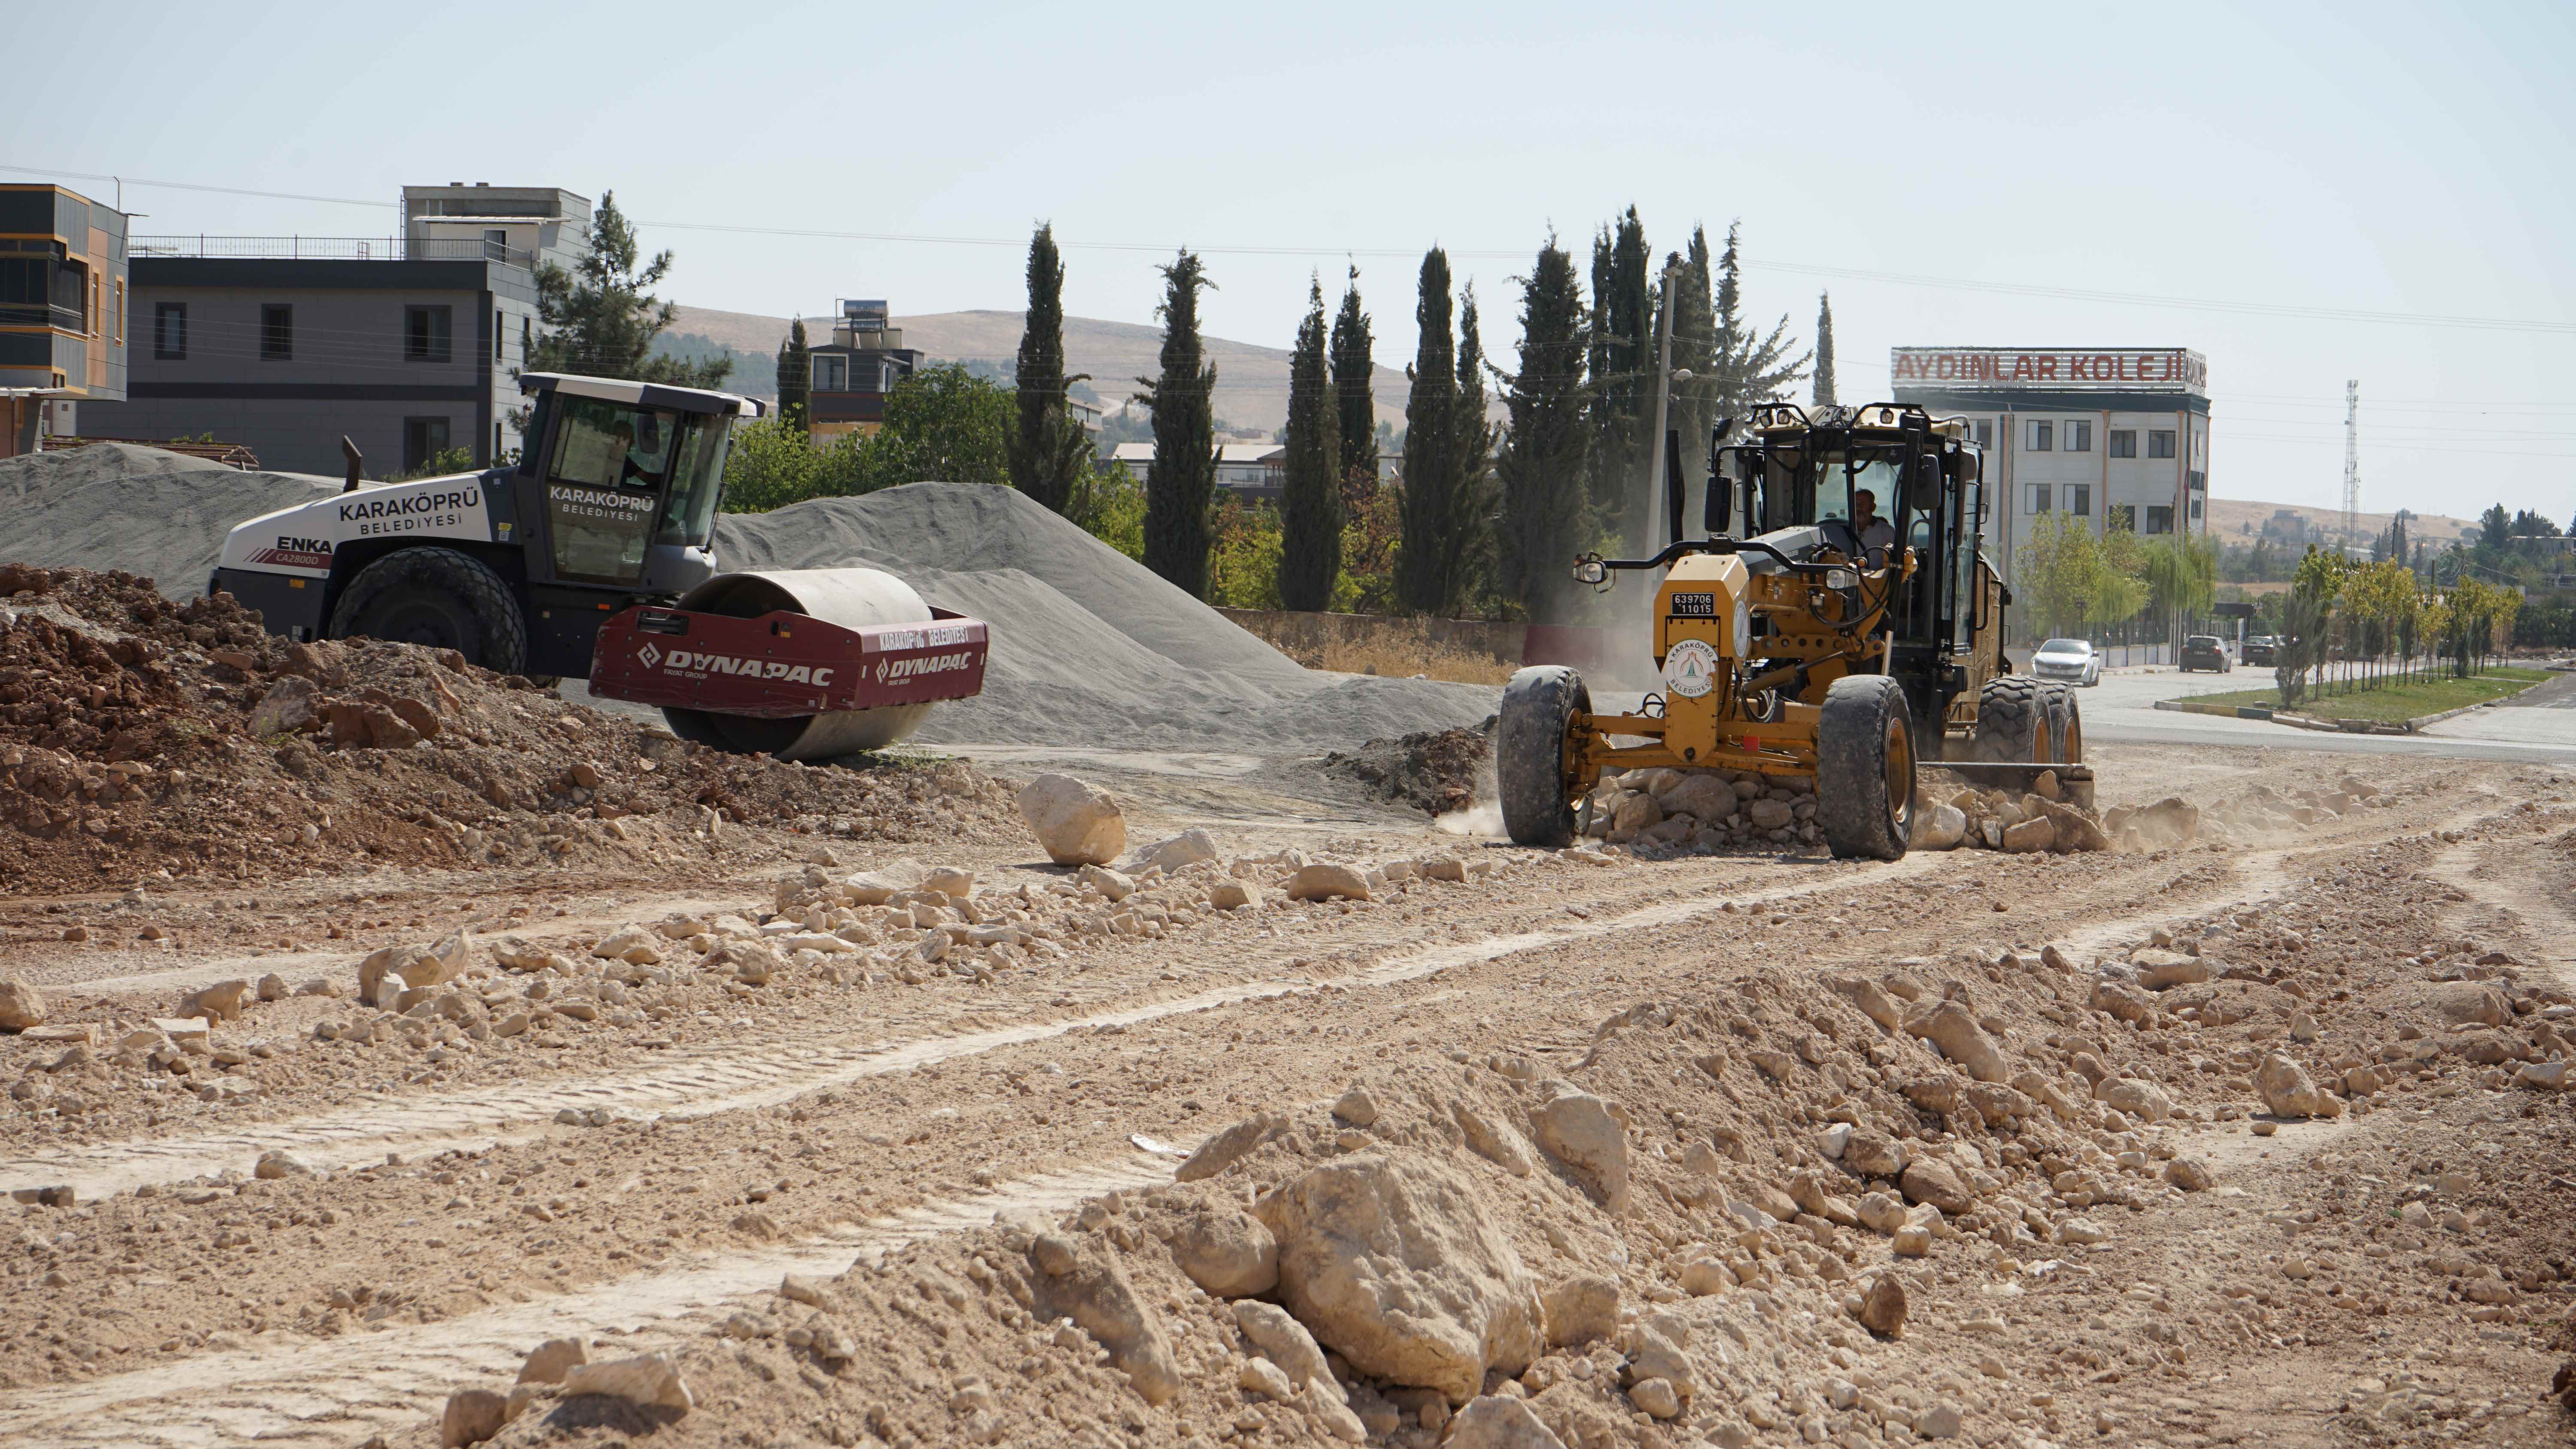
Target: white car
2072 660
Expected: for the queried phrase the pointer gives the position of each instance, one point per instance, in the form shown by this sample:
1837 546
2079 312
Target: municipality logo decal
650 656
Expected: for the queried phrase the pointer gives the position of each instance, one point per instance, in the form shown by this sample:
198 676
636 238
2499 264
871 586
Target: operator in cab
1877 536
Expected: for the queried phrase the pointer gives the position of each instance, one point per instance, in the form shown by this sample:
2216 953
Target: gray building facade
406 357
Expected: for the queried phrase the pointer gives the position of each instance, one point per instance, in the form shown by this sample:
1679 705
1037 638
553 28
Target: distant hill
2240 521
1251 382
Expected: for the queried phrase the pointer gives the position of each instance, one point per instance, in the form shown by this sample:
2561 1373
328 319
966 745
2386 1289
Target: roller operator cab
611 504
1834 620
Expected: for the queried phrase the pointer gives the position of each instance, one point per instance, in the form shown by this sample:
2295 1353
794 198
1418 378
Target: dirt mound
137 735
1434 771
1088 644
117 505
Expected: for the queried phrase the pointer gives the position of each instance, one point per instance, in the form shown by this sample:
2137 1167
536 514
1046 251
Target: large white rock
1941 827
651 1379
1578 1130
1396 1267
1185 849
1076 822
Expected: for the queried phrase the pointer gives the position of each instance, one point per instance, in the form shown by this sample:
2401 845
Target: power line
1909 279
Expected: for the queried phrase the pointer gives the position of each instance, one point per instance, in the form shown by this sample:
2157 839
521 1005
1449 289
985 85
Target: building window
499 321
426 332
1985 435
120 311
2079 435
2123 442
830 373
2160 442
496 446
170 331
2195 508
2079 499
2122 516
2037 498
2196 481
423 440
2042 436
2159 518
276 333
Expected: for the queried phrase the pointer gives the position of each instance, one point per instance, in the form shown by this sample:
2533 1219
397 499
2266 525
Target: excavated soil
133 748
1658 1117
1434 771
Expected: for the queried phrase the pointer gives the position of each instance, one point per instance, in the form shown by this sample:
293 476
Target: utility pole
2351 458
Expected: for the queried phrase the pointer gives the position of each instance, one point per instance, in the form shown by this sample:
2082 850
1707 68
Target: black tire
439 598
2065 724
1539 705
1865 768
2012 722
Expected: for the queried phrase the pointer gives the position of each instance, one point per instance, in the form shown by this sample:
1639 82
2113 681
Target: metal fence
333 248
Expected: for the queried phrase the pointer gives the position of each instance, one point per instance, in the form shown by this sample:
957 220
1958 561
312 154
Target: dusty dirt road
1643 1152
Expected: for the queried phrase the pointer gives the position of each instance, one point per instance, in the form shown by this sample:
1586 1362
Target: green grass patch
2415 696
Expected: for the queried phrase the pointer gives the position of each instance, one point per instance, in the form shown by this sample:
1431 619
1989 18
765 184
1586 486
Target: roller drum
852 598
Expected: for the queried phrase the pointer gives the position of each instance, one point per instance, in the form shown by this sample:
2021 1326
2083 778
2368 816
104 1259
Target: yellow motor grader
1847 629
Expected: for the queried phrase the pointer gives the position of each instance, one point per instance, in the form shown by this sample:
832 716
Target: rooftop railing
332 248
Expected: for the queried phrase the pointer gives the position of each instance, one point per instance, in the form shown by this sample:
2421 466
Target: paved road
2121 710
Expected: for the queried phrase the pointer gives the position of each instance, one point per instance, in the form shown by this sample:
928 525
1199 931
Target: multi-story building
2107 436
64 310
852 373
546 223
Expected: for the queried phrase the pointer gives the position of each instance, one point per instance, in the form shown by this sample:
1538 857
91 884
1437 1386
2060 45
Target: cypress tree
1824 349
1310 505
795 378
1750 368
1049 452
1541 467
1470 572
1181 481
1423 563
1694 409
1623 374
1354 397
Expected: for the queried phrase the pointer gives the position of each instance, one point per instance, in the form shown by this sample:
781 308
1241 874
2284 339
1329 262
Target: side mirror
1590 570
1717 508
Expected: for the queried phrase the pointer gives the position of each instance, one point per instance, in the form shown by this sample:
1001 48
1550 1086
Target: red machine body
784 665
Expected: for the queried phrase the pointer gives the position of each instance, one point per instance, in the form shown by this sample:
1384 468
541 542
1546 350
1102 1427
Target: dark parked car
2205 651
2262 649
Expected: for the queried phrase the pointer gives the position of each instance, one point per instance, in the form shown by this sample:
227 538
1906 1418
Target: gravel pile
119 506
1089 646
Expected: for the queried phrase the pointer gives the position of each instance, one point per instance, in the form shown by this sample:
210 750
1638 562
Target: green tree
1244 557
1182 478
795 377
769 466
2182 578
943 424
1354 398
1620 359
1111 508
1824 349
1050 453
601 317
1545 520
1473 504
1750 367
1695 398
1428 560
1310 503
2494 527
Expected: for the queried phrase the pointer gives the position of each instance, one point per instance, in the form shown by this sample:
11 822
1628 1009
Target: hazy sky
2268 158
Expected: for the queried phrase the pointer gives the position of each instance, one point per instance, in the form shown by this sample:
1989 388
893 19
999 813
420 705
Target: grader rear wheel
2012 723
1539 705
2065 724
1865 768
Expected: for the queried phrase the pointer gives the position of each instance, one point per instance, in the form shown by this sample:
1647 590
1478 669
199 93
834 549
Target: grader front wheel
1539 705
2013 726
2065 723
1865 768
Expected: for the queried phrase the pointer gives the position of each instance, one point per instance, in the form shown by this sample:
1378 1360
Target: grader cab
1834 621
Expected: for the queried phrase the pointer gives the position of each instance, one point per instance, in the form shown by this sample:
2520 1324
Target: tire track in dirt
735 1080
337 1389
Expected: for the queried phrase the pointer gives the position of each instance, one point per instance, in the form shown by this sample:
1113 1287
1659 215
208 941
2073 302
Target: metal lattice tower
2351 460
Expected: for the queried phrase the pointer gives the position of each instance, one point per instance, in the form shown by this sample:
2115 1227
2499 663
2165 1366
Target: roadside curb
2319 722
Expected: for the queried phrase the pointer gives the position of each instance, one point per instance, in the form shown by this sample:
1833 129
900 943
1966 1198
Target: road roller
591 554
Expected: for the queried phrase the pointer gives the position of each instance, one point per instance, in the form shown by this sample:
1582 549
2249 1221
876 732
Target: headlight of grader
1590 570
1841 579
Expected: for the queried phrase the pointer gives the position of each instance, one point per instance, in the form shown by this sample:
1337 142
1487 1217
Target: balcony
333 249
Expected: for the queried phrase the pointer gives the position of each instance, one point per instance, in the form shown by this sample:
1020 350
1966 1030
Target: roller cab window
610 474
